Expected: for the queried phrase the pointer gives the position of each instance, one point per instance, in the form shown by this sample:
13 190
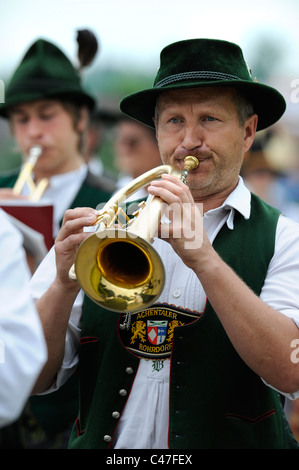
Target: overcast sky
134 31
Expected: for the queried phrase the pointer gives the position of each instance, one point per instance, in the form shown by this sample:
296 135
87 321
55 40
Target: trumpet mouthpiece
190 163
35 151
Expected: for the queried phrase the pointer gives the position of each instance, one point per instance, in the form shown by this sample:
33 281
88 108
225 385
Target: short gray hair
244 106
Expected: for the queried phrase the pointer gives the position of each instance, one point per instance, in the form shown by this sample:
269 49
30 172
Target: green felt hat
44 72
197 63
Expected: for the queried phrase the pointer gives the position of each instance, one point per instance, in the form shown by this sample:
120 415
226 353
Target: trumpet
117 266
36 190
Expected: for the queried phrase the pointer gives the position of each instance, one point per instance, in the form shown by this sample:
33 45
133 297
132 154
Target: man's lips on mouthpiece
201 158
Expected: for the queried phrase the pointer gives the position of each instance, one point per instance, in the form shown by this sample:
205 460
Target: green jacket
216 401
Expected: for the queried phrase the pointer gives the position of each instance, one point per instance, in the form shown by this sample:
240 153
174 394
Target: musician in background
230 305
136 151
47 105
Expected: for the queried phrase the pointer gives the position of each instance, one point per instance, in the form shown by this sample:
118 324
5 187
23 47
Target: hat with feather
46 73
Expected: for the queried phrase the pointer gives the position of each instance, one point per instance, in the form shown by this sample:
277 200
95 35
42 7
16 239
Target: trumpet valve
106 217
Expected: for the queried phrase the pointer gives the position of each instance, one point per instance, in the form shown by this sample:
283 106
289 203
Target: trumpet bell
119 270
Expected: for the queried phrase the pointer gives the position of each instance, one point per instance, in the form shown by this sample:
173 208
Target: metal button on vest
129 370
107 438
177 292
115 414
123 392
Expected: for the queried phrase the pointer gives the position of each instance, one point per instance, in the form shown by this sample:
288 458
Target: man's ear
249 131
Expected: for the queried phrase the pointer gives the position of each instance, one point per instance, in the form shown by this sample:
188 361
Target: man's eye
210 118
21 120
174 120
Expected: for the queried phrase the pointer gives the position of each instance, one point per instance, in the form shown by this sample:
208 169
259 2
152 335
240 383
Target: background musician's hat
45 72
197 63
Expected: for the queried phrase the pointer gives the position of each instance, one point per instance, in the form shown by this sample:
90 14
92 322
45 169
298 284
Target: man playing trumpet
216 350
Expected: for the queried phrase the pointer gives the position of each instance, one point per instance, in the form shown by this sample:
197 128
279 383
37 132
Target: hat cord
195 74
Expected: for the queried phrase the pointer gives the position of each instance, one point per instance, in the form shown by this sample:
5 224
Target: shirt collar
238 200
65 178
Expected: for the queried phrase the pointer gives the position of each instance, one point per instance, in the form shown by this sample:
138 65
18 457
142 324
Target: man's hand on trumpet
185 232
68 240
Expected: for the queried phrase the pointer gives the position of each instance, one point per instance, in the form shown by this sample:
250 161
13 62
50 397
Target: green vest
216 401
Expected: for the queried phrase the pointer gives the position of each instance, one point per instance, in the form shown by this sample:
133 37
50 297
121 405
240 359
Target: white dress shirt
23 349
151 387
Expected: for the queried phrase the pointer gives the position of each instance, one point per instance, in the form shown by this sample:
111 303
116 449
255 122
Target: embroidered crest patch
156 331
149 333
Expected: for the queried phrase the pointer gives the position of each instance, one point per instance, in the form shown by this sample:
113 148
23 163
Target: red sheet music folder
37 215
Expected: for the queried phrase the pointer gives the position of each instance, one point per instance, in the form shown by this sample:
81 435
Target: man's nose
193 137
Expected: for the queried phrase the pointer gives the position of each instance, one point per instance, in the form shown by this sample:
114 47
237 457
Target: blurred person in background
136 151
264 179
101 122
47 105
260 176
23 349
